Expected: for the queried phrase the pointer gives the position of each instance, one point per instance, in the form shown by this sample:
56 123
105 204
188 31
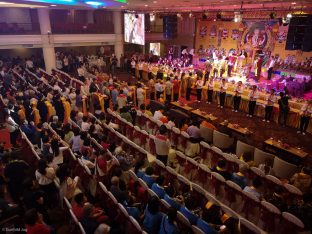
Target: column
119 43
47 39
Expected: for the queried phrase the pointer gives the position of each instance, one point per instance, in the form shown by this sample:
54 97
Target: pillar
47 39
119 38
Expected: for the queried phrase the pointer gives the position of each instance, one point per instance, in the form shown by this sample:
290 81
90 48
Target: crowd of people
37 109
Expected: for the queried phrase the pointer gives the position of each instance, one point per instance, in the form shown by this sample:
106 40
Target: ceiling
165 5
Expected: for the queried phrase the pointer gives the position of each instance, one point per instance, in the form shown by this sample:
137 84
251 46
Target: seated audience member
152 217
34 223
187 210
240 177
221 169
266 167
206 124
68 186
125 160
193 132
158 114
247 157
121 99
76 142
68 133
148 111
171 123
255 188
148 177
161 99
77 207
162 144
168 224
277 199
89 219
57 151
120 195
125 114
302 180
158 188
85 125
172 199
103 167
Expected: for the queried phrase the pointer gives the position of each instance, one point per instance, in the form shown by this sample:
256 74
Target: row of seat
218 181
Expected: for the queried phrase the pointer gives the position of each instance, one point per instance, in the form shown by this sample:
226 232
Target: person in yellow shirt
67 109
35 113
21 113
50 109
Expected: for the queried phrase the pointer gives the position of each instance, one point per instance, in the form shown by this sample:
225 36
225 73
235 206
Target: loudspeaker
170 26
300 33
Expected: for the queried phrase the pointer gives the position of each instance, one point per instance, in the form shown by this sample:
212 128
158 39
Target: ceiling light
293 3
289 15
154 2
152 17
94 3
146 5
6 3
191 15
53 5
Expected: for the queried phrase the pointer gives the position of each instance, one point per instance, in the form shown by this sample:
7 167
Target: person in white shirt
271 99
158 114
56 87
133 63
237 96
140 95
162 145
305 115
12 127
223 88
85 126
199 87
270 68
210 90
159 89
253 96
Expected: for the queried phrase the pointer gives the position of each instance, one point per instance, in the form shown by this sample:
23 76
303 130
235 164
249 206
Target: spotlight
191 15
179 15
238 17
289 15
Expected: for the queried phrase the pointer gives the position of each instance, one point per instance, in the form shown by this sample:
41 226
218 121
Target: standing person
140 67
151 86
237 97
189 87
223 88
284 108
162 144
114 62
12 127
305 115
66 64
208 68
133 63
168 89
140 95
199 88
159 89
271 99
231 62
270 68
210 90
253 96
176 89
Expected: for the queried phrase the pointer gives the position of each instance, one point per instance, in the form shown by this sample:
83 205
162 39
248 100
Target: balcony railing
19 28
75 28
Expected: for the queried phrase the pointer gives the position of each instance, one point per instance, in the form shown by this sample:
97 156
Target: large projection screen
134 28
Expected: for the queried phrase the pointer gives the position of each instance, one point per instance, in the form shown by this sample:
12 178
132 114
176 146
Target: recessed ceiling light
6 3
53 5
146 5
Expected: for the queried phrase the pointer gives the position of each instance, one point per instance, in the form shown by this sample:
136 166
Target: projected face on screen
155 49
134 28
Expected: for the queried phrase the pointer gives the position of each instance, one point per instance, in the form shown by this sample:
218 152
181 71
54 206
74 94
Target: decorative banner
225 34
281 35
213 31
203 31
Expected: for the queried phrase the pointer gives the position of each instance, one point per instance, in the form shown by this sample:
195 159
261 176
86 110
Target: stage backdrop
248 35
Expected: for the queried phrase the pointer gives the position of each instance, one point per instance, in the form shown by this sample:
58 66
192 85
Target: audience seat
270 217
206 133
283 169
291 224
251 207
233 196
260 157
242 148
221 140
247 227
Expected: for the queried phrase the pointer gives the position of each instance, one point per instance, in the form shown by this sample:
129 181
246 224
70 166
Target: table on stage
238 129
204 115
182 106
289 153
